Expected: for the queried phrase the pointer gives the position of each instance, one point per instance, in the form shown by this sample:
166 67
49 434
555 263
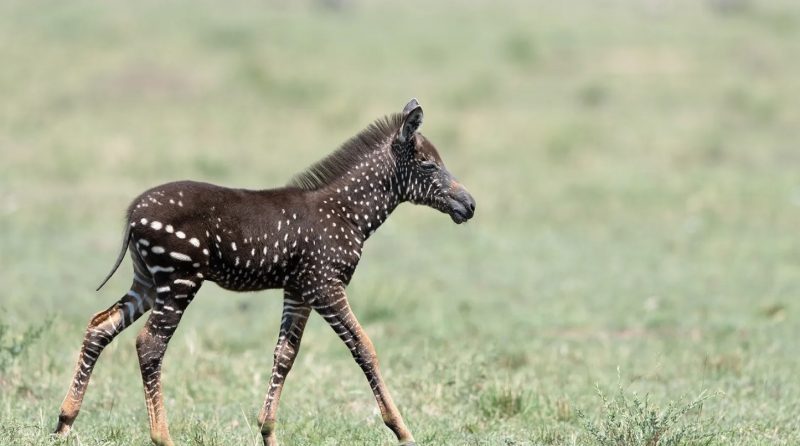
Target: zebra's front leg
293 322
173 296
335 309
102 329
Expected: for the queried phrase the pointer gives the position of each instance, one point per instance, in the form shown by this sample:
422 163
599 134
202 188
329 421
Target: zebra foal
305 238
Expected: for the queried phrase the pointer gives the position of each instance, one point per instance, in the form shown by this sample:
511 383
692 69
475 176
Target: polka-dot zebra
305 238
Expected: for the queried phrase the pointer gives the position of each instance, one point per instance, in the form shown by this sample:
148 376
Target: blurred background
635 165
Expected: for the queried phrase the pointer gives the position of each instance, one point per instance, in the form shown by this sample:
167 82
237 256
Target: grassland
635 166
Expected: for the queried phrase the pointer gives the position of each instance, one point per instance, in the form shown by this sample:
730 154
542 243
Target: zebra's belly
250 280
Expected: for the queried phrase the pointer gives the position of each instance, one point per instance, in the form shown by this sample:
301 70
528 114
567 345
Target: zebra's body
306 238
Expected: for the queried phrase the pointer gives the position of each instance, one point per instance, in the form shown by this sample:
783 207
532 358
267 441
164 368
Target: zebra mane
335 165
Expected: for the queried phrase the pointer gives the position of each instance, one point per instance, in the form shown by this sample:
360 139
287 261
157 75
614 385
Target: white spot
156 269
194 242
180 256
233 246
143 221
169 228
157 249
156 225
180 234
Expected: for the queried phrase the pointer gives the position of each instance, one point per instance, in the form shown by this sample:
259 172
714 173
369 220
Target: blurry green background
635 165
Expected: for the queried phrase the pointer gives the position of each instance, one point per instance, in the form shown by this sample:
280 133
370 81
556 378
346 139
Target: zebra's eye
429 165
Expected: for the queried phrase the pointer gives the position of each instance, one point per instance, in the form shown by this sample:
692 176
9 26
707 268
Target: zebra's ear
412 120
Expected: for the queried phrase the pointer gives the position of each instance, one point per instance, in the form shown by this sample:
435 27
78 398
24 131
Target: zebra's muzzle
462 205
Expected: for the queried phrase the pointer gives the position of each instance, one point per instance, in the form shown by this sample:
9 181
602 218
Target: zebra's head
423 178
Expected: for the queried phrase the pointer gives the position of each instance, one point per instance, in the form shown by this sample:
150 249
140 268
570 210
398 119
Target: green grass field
636 169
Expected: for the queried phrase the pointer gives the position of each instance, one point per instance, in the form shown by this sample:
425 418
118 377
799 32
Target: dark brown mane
335 165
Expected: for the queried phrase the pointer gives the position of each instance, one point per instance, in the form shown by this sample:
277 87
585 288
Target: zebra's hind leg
102 329
173 295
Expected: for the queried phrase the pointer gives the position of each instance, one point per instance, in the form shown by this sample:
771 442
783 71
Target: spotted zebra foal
305 238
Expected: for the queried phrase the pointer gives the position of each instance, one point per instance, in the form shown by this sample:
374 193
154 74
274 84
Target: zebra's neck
365 195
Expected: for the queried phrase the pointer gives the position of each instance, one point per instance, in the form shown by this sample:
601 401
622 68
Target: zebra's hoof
62 430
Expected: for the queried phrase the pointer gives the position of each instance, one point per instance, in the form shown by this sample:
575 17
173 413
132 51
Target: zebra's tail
125 238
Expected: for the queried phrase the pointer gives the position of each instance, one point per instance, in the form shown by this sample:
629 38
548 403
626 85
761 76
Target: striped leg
295 315
103 327
173 295
335 309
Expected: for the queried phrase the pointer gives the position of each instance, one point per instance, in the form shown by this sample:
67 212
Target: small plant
633 421
13 347
202 435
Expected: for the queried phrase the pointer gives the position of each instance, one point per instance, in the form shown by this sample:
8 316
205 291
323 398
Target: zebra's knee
286 356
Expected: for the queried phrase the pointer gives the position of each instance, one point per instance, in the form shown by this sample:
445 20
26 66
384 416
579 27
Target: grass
631 419
634 165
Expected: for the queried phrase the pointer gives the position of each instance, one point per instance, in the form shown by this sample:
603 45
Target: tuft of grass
630 420
12 348
504 401
200 434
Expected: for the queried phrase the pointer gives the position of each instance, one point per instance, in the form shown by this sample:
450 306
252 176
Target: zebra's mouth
462 207
459 216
